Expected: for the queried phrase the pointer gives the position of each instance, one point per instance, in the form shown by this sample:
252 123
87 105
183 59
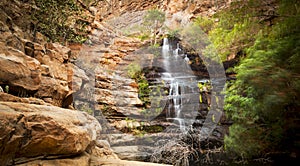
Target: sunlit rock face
17 69
41 76
180 12
31 66
29 131
113 91
37 78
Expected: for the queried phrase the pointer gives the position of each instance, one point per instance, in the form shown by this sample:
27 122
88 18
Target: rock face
30 131
40 77
29 65
180 12
113 88
19 70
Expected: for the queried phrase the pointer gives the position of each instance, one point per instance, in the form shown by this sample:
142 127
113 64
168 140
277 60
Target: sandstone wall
37 78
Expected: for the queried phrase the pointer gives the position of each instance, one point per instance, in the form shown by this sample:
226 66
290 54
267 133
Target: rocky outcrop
109 9
36 76
32 67
180 12
19 70
39 77
47 133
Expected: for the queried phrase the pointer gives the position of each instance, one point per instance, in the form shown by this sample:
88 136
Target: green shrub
206 24
60 21
135 72
263 101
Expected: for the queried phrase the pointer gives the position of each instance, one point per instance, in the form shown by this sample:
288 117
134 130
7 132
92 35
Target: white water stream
182 85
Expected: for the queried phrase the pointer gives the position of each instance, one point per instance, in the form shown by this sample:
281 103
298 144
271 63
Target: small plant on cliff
174 34
6 89
134 71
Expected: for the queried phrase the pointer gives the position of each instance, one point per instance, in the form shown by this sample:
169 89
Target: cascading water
166 52
166 47
182 84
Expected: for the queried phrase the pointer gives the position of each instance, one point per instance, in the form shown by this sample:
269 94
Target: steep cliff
36 79
46 78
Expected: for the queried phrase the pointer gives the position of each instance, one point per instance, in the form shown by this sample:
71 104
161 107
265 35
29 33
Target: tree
264 100
153 20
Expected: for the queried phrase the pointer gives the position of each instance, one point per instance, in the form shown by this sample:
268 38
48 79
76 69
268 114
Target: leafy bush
205 23
235 29
264 101
134 71
60 20
173 34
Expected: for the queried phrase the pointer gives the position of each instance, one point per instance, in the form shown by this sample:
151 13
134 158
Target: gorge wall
40 123
36 79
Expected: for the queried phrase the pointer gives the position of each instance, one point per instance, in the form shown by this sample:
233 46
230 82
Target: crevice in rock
45 158
18 91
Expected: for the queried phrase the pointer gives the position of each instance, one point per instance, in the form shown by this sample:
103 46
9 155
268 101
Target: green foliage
231 41
6 89
205 23
172 34
263 102
154 19
143 36
134 71
235 28
60 21
144 90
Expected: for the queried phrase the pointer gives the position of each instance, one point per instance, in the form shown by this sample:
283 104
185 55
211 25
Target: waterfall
181 85
165 48
176 51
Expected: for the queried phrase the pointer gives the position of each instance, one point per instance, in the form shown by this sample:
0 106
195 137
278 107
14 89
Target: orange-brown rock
29 131
82 160
61 53
53 88
18 69
11 98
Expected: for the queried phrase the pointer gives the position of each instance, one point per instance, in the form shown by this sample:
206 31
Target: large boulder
53 89
33 131
18 69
